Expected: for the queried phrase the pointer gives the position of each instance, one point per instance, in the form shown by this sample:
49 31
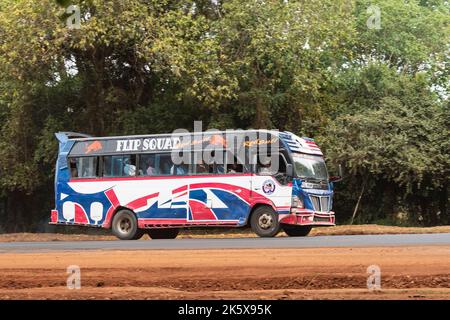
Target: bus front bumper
305 217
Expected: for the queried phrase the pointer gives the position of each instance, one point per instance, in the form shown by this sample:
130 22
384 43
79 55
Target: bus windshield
310 167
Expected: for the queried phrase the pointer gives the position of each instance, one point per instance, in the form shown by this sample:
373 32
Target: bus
158 184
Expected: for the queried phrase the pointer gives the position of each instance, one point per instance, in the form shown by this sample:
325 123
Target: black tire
163 233
264 222
296 231
125 226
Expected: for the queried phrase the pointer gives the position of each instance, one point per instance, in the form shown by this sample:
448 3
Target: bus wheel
163 233
264 222
125 227
296 231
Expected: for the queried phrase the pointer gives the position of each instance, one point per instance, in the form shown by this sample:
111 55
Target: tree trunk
359 200
443 205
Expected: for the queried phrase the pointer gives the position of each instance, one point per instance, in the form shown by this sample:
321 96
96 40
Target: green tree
398 149
312 67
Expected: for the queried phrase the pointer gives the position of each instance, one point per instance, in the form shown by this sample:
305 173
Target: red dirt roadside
322 273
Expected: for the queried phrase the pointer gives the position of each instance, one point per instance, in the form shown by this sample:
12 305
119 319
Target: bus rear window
83 167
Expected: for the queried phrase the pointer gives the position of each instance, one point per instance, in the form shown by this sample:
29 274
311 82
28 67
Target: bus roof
85 145
85 137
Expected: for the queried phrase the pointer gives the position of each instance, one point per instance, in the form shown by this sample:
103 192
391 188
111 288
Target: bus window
83 167
147 165
73 168
281 164
200 166
235 166
265 169
164 164
119 166
112 166
160 165
204 168
272 168
179 169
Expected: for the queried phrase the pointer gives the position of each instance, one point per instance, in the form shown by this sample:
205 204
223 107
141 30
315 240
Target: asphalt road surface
234 243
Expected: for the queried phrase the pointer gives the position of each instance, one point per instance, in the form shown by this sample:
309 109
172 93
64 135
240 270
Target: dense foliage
374 96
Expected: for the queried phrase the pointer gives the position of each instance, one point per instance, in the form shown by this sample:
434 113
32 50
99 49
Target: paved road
235 243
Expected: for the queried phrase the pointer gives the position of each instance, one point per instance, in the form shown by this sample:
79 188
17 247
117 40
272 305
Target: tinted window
272 168
119 166
83 167
200 166
147 165
234 166
220 163
160 164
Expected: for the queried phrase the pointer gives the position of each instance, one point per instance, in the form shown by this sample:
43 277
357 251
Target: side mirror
289 170
337 178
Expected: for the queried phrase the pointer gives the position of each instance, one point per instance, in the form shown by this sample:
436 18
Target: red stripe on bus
112 197
141 202
156 222
183 188
80 214
200 212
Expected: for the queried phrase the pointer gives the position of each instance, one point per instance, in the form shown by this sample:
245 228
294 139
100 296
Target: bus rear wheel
264 222
296 231
125 226
163 233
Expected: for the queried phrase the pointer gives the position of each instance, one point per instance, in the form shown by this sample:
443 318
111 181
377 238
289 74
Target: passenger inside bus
73 168
129 168
151 170
234 168
220 169
83 167
203 168
178 169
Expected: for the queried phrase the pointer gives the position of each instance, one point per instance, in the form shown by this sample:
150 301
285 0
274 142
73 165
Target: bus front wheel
264 222
125 226
296 231
163 233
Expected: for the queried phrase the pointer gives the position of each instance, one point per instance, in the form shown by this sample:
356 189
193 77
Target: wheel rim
124 225
265 221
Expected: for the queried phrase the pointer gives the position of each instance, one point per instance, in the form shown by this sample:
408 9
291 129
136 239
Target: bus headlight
296 202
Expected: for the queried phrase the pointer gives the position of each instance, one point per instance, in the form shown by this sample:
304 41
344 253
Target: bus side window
111 166
83 167
264 169
234 166
106 167
165 164
119 166
201 168
272 167
147 165
73 168
282 164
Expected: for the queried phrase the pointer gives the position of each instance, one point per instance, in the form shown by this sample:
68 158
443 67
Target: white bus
135 185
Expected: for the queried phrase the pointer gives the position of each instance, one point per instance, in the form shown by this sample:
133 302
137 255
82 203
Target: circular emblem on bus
268 187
